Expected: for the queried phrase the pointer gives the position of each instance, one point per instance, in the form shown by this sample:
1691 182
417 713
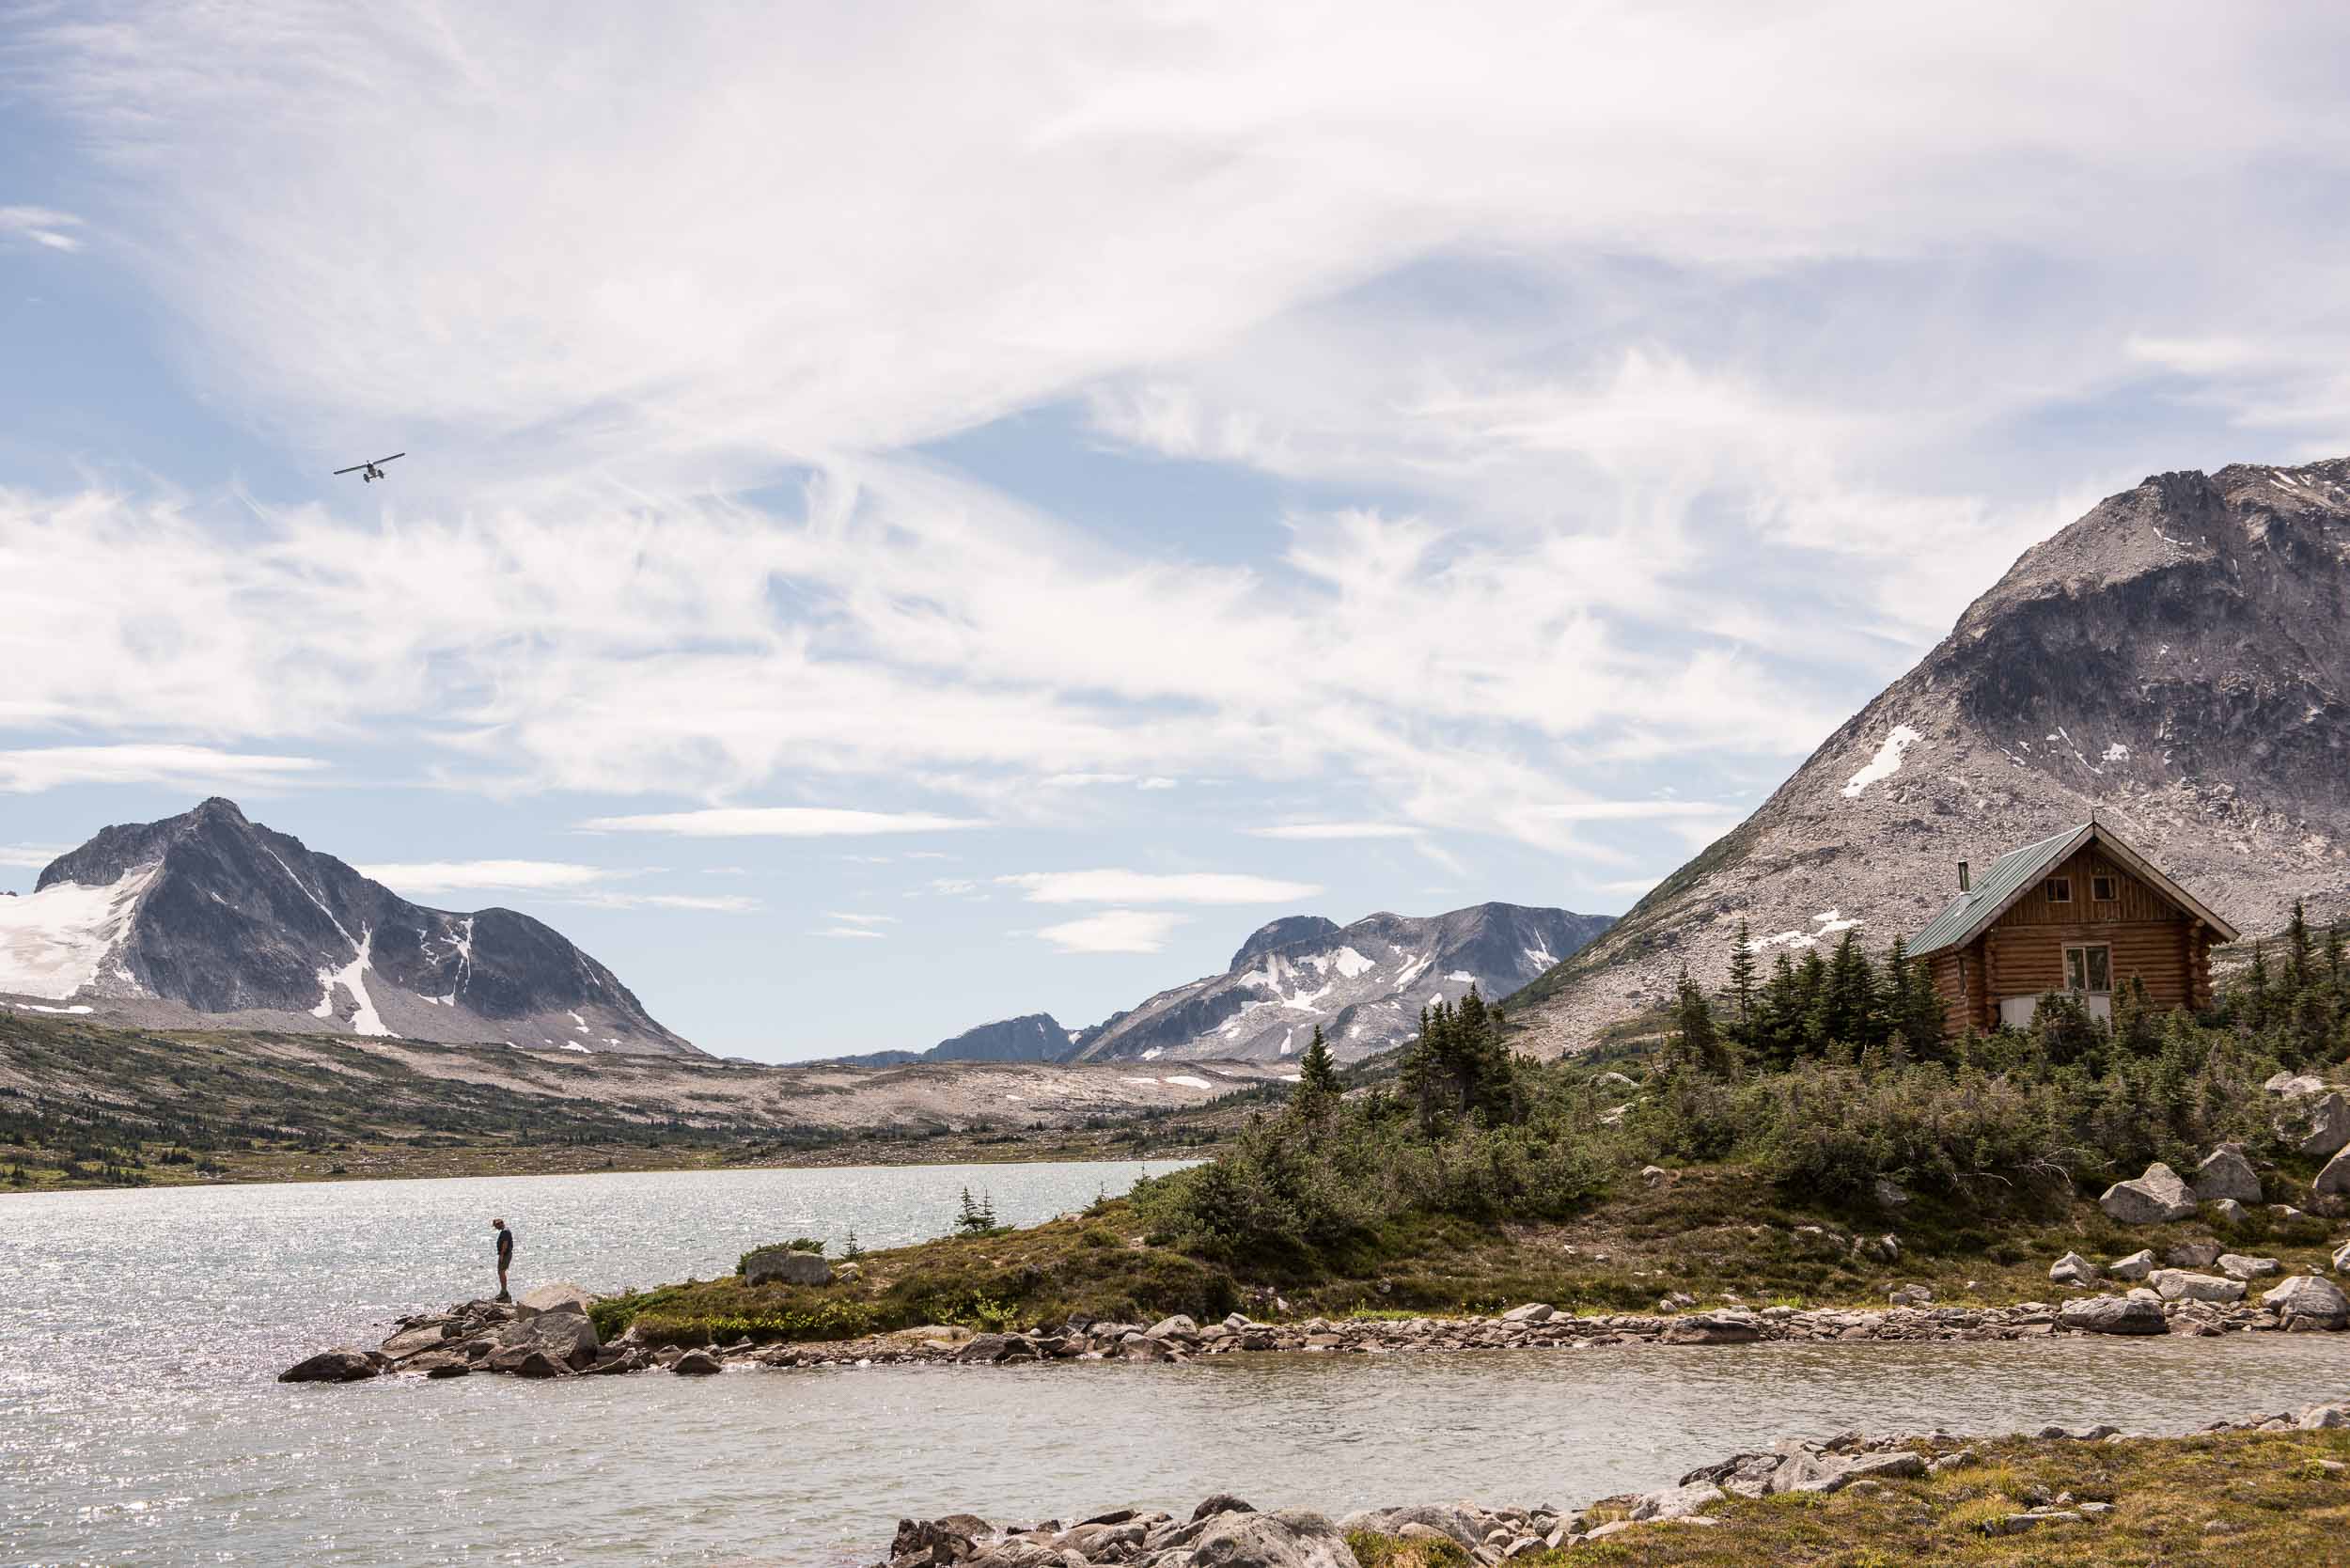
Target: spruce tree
1316 1073
1697 1045
1742 986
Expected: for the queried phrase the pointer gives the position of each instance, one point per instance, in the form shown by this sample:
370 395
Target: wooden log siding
2022 954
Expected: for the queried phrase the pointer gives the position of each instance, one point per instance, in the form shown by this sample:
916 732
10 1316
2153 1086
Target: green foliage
797 1244
1460 1066
976 1217
1317 1076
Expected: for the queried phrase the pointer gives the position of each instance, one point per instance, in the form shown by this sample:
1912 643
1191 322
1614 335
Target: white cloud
418 879
780 822
1635 810
860 919
32 857
27 771
41 226
1335 830
1124 887
1115 930
849 930
718 903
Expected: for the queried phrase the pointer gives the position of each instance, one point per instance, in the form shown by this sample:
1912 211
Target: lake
141 1332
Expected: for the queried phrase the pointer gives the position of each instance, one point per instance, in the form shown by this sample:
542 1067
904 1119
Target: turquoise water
140 1333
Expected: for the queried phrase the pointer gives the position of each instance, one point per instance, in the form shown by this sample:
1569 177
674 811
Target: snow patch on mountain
52 943
1886 762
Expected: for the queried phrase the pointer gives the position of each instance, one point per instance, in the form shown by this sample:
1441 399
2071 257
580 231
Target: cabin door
2088 975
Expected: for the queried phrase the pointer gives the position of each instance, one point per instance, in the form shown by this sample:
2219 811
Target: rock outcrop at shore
560 1339
1224 1532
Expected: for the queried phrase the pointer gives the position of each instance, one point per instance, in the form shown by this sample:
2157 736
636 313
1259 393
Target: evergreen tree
1852 995
1743 988
2255 993
1317 1075
1697 1045
1913 1008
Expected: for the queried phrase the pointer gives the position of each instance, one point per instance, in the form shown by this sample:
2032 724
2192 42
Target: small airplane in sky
368 472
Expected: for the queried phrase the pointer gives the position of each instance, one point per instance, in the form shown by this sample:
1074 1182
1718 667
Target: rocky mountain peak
2176 662
1281 934
211 919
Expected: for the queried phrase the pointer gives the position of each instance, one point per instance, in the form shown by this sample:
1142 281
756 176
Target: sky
913 516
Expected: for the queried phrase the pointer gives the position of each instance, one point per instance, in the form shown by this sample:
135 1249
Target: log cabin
2079 912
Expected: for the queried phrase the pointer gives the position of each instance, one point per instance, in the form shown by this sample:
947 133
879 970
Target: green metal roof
2009 874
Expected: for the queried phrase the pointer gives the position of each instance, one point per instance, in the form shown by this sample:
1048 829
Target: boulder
2335 1176
537 1363
1291 1538
984 1347
563 1335
415 1342
340 1365
2114 1314
1453 1522
2236 1265
560 1296
2154 1199
696 1363
1713 1328
1885 1248
2325 1128
2307 1295
2292 1086
1222 1502
2342 1257
2226 1173
2072 1269
2195 1254
1178 1324
1676 1502
1533 1312
2177 1284
1889 1194
1832 1472
2137 1265
786 1266
2228 1211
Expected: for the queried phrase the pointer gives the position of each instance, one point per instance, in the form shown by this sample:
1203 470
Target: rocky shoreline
1224 1532
550 1333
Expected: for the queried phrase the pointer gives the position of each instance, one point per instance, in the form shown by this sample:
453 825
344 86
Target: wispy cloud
1635 810
781 822
426 877
41 226
849 930
1124 887
708 904
29 772
1115 930
860 919
1336 830
30 856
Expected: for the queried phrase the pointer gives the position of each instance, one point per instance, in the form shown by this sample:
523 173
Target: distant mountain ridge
208 919
1362 985
2175 663
1031 1037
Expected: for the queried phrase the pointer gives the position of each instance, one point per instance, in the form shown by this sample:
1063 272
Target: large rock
2194 1254
1459 1524
2137 1265
1713 1328
569 1338
415 1342
1292 1538
559 1297
2335 1176
2306 1295
2115 1314
2072 1269
2226 1174
1676 1502
786 1265
696 1363
2154 1199
2292 1086
1178 1327
2326 1127
1833 1472
2236 1265
2177 1284
340 1365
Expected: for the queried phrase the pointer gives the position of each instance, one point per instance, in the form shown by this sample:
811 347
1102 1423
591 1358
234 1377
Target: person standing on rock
506 1255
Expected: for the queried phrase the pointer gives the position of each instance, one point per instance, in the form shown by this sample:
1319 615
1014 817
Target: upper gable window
2060 889
2104 889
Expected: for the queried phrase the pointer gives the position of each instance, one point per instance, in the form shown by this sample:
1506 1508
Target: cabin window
2089 970
2103 889
2060 889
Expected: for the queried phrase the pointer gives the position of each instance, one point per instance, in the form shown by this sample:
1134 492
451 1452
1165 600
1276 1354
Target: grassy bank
2234 1497
1825 1150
